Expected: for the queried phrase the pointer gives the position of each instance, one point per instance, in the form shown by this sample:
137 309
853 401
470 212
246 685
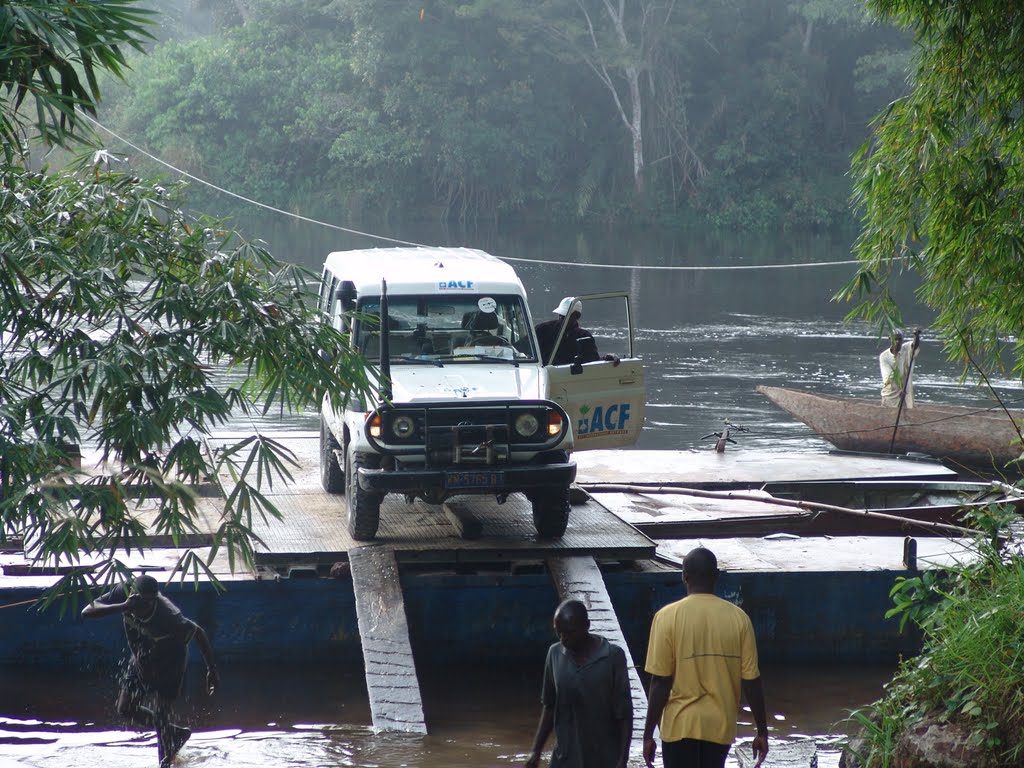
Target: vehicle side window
605 319
327 285
518 330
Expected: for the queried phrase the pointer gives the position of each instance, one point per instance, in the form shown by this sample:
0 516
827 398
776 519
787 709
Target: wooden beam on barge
391 681
580 577
738 468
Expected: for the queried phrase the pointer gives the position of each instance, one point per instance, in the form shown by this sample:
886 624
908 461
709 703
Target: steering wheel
489 340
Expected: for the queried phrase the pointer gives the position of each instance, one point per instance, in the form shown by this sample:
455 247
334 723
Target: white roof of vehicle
424 270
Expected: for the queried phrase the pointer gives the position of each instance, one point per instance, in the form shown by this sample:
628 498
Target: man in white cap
568 351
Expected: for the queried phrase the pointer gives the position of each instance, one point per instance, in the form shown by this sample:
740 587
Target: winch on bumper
441 448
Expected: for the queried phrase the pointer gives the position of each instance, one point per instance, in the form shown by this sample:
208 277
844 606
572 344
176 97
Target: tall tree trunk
636 128
805 46
633 121
244 10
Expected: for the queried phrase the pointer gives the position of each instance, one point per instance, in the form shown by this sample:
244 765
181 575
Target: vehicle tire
363 506
551 512
332 476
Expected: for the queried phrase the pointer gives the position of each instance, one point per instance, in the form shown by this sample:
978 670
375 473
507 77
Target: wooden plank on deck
750 468
461 516
580 577
395 702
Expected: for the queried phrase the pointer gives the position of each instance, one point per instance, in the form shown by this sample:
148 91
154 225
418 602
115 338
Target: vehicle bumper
495 478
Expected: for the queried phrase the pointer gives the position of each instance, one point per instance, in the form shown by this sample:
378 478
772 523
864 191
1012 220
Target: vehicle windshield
446 329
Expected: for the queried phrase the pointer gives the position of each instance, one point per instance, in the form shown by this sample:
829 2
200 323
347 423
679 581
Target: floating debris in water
781 754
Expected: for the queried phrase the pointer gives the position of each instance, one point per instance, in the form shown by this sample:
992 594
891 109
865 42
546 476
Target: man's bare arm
205 648
544 728
657 698
97 609
754 694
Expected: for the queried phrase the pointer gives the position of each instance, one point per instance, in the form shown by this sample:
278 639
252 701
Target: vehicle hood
465 382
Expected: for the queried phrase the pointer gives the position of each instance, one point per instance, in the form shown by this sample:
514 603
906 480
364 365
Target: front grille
485 433
428 421
467 444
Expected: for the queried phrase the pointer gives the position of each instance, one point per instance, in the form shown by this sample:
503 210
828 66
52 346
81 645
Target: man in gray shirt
586 697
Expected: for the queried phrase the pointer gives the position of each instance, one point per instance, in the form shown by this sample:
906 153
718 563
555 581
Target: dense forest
736 113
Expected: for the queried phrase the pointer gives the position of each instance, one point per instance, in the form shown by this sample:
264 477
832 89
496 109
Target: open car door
605 401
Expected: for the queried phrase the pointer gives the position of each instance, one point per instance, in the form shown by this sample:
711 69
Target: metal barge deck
489 599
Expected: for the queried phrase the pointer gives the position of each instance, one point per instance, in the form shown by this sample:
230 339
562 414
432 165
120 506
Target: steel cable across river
707 336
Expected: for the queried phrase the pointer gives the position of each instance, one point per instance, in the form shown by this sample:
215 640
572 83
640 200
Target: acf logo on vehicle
455 285
602 420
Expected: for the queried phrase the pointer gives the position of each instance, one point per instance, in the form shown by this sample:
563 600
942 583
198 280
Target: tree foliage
618 44
134 330
52 54
940 185
743 112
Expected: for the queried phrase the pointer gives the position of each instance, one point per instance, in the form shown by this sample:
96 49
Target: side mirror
347 295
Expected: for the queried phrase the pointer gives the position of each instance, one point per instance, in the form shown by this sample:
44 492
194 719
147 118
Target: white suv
463 401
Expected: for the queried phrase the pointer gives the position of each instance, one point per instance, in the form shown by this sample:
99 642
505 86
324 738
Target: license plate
475 478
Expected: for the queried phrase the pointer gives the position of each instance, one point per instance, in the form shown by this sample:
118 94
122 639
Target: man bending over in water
158 636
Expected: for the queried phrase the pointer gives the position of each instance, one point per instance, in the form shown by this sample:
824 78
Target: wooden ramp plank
579 577
395 702
463 520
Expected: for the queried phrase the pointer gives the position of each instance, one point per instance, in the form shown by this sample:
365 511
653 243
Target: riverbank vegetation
970 673
739 114
117 310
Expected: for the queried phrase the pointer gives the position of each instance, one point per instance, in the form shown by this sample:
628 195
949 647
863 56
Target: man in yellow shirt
701 653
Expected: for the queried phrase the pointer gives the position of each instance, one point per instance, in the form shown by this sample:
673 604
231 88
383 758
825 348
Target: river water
319 718
707 338
763 315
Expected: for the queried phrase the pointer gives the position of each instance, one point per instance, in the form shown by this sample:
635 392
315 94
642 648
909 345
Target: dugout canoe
974 436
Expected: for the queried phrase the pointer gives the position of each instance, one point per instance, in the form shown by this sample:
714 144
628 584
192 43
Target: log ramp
391 680
394 689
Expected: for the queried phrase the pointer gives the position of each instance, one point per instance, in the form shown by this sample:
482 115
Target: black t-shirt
159 641
547 332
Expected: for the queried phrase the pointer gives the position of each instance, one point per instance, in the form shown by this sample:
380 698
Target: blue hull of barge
799 617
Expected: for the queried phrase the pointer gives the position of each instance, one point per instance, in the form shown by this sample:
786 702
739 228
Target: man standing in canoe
897 365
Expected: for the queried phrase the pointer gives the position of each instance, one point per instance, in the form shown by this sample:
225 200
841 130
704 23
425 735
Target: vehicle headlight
527 424
403 427
554 423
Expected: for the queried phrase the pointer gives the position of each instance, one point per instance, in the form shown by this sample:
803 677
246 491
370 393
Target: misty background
736 114
684 135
